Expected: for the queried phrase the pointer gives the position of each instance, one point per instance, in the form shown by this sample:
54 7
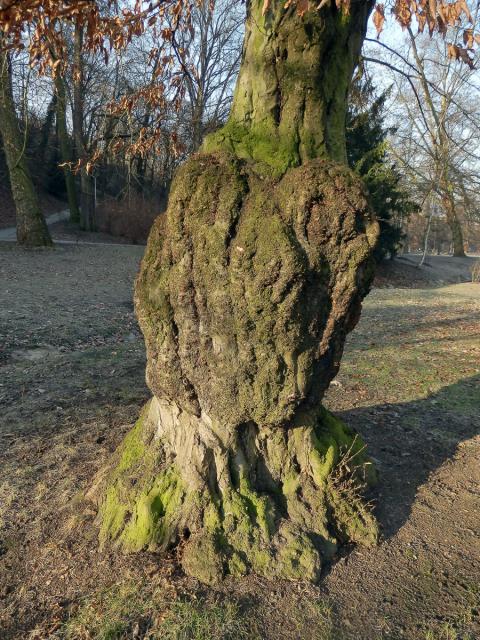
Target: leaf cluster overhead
435 16
41 27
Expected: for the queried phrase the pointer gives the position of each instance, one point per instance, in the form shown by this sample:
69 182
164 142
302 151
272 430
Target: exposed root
276 502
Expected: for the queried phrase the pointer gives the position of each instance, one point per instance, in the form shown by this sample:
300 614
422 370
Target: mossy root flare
278 502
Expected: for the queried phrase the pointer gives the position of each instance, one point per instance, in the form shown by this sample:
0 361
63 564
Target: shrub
129 218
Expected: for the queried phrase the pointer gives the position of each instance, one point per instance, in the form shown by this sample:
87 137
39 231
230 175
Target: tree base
277 502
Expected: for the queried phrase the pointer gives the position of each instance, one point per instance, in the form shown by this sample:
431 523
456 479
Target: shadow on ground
408 441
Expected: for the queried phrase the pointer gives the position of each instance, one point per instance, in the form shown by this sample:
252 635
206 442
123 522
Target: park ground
71 385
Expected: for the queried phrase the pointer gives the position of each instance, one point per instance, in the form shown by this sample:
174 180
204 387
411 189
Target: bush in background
130 218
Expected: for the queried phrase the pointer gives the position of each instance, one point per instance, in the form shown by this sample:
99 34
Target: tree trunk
87 200
198 109
32 230
454 224
249 285
290 101
427 232
45 135
65 149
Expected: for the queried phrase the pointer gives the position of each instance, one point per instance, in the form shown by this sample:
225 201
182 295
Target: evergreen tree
367 145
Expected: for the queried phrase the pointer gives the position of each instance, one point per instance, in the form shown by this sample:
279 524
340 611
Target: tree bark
32 230
87 200
290 101
248 287
65 149
454 224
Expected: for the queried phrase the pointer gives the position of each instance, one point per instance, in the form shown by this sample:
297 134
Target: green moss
203 559
132 448
262 561
113 514
211 518
236 565
291 484
323 460
298 559
273 153
147 518
353 520
242 529
259 507
155 513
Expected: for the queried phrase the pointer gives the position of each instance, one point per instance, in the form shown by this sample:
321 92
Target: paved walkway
10 233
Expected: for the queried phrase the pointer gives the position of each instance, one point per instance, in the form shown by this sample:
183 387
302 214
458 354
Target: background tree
66 147
435 107
32 230
209 55
367 153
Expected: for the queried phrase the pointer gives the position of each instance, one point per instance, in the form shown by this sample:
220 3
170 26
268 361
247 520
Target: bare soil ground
71 385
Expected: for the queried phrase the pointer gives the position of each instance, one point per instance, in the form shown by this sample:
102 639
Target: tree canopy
43 28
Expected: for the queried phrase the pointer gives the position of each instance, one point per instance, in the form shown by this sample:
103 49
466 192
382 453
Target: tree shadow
408 441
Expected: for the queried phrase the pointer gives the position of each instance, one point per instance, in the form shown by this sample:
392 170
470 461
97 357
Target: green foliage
367 146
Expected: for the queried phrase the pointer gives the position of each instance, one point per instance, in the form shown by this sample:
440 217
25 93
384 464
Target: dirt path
72 382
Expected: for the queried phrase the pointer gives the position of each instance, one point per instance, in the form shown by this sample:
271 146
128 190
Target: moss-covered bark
248 287
32 230
269 500
291 95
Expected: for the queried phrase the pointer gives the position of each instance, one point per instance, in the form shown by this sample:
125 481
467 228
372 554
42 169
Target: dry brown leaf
379 18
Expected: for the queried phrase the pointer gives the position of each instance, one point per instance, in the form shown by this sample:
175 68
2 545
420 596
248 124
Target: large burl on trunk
249 285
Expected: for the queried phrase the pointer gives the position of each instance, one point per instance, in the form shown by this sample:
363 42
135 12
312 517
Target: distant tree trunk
141 162
454 224
87 200
45 133
66 149
249 285
197 121
32 230
427 232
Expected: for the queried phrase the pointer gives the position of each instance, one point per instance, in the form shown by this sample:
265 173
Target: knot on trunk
249 286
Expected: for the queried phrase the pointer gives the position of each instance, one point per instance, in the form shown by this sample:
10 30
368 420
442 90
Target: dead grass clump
129 610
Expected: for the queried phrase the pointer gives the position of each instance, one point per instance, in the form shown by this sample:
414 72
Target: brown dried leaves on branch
379 18
437 16
40 26
114 28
